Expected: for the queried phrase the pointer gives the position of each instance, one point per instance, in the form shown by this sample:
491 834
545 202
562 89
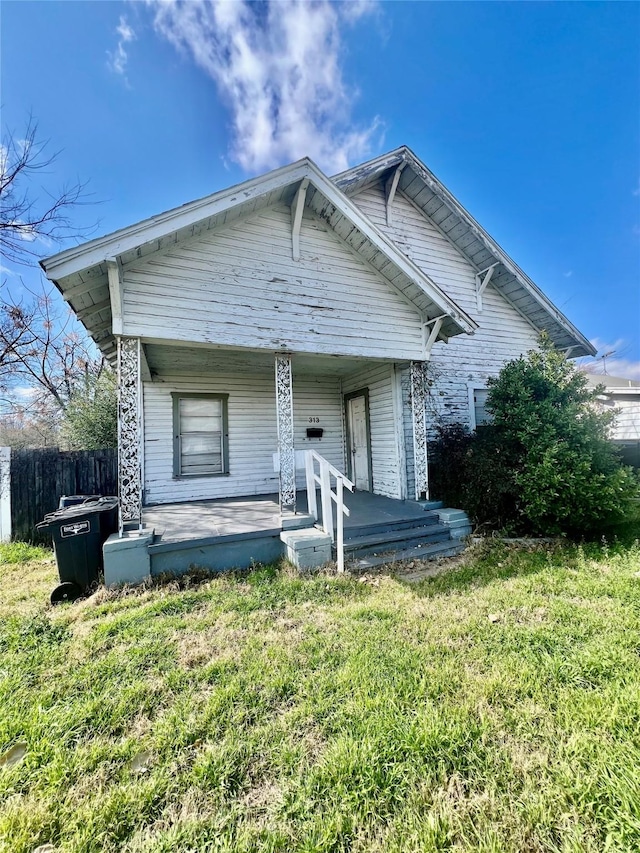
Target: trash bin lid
105 504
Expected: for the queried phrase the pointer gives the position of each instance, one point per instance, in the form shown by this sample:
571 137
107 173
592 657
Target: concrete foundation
307 549
126 559
216 553
456 520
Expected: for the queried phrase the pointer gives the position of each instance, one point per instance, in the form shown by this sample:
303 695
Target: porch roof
89 276
163 358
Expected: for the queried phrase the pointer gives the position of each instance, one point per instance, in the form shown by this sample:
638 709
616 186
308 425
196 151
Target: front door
358 440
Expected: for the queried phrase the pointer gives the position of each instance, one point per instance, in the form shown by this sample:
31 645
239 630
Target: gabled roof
81 274
474 243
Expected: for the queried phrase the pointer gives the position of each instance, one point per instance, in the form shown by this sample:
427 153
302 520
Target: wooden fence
38 478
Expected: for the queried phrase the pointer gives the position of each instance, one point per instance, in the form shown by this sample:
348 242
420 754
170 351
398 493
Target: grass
493 708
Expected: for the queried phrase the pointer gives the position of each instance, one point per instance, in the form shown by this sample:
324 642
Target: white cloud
7 271
278 67
568 273
119 57
611 358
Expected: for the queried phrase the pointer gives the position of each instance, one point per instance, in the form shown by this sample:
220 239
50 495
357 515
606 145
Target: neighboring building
623 395
296 311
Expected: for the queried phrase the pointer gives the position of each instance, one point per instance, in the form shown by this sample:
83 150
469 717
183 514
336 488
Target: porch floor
180 522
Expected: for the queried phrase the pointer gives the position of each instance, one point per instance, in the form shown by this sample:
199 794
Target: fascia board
97 251
334 195
490 244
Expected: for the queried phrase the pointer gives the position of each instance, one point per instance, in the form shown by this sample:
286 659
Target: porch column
418 406
284 414
129 431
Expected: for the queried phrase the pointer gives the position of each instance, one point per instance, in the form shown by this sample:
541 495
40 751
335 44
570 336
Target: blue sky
528 112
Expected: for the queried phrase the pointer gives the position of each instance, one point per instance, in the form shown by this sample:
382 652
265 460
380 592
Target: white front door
359 441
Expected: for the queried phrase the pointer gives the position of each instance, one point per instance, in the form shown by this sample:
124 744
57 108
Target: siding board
241 287
385 462
467 359
252 433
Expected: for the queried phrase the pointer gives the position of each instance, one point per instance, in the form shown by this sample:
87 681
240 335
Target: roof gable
81 272
443 211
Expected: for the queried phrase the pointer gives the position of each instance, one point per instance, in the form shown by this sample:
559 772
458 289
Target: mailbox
314 432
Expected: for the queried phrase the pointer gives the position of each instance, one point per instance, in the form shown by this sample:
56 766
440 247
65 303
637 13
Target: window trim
193 395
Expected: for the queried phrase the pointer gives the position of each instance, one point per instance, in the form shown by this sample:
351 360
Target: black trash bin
78 533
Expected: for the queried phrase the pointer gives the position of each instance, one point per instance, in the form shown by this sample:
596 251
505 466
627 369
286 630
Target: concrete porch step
431 551
427 519
402 539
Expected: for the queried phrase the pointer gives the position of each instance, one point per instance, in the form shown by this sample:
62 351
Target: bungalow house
298 312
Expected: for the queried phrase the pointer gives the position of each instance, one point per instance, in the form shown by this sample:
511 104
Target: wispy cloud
278 66
117 59
568 273
610 359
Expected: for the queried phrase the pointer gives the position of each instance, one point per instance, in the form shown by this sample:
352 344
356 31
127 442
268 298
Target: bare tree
48 366
42 351
25 214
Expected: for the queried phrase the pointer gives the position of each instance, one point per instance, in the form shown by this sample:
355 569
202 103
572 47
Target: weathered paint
502 334
240 287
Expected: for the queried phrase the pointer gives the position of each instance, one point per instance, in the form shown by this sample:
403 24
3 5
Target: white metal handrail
323 479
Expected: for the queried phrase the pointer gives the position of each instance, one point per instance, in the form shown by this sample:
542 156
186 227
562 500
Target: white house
298 311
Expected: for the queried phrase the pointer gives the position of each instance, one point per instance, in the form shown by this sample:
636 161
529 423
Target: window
200 435
479 416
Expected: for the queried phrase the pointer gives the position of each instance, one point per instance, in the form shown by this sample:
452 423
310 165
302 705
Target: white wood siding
252 433
240 287
626 426
503 333
384 439
466 359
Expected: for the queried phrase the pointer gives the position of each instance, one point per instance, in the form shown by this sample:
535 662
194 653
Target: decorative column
129 431
284 414
418 409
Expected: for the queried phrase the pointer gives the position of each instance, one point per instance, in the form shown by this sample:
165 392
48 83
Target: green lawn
494 708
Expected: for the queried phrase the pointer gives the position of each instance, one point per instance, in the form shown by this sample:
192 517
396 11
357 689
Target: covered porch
272 407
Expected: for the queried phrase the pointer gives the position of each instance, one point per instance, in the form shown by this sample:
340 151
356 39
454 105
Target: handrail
323 479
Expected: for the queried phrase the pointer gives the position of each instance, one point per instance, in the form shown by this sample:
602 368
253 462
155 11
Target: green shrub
91 418
473 471
545 466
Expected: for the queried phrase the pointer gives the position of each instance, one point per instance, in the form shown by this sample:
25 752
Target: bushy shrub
90 421
472 470
545 465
